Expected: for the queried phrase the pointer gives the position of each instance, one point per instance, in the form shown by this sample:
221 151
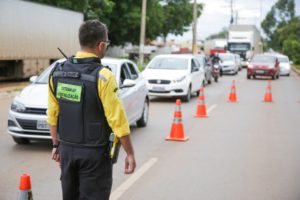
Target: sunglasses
107 42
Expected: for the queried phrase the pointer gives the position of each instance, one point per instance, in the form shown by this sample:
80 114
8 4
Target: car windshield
283 59
113 67
201 59
44 77
239 46
169 63
263 59
225 57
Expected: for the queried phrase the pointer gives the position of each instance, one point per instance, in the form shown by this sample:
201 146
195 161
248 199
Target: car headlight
17 106
178 80
270 66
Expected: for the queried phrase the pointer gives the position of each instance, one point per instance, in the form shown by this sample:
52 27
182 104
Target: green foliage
178 15
279 15
282 29
292 48
297 67
222 34
124 17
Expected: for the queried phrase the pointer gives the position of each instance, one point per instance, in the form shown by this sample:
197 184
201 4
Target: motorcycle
216 71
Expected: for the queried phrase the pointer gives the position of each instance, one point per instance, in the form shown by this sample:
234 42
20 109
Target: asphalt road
248 150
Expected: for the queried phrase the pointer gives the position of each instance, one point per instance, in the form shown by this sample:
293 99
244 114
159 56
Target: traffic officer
83 110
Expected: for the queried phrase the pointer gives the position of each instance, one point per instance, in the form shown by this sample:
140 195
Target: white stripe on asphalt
117 193
211 108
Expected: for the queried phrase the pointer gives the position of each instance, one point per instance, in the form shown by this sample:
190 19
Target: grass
297 67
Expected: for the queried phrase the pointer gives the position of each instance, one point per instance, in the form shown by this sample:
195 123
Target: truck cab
245 41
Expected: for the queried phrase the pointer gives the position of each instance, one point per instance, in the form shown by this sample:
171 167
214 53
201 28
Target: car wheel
277 76
216 79
209 81
254 77
142 122
20 140
248 77
187 97
273 77
288 75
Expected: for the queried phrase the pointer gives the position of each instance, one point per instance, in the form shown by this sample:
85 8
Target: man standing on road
83 110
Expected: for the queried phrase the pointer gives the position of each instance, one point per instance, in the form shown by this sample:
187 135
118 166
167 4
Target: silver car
284 65
27 116
228 63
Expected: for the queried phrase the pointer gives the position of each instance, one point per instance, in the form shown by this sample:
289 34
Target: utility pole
142 33
231 10
194 47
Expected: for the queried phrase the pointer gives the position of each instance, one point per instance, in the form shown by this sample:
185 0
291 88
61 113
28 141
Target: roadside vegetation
297 67
282 28
123 17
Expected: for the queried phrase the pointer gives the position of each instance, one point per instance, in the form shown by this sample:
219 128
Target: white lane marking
117 193
211 108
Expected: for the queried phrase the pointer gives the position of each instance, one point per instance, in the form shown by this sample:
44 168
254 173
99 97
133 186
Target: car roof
104 60
175 56
266 54
114 60
226 54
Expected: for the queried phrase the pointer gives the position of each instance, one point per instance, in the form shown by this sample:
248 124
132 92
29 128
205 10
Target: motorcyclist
215 60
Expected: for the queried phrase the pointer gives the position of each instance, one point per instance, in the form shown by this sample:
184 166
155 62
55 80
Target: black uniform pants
86 173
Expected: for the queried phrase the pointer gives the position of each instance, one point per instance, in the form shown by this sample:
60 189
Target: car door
126 93
195 75
138 91
202 70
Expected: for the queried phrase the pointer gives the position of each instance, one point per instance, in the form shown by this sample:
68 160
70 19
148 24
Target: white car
27 116
174 76
284 65
228 63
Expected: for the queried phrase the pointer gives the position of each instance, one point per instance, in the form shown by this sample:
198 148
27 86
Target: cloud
217 13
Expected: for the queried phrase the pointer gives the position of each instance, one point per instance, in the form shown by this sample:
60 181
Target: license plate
42 125
158 88
260 71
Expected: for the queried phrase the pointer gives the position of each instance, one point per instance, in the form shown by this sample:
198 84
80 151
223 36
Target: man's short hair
91 32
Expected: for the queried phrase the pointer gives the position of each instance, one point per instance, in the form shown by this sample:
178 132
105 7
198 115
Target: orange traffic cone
177 132
268 95
201 108
25 188
232 95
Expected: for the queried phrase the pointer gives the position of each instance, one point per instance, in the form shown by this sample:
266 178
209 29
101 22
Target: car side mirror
195 69
32 79
128 83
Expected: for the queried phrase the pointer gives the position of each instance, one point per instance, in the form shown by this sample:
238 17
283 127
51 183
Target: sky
216 15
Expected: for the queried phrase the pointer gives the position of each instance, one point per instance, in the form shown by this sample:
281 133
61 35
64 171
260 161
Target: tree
123 17
91 9
282 29
126 18
279 15
178 16
222 34
289 39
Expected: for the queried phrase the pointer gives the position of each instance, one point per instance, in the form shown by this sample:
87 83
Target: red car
263 65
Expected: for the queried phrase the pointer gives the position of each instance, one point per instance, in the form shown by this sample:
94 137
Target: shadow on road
34 146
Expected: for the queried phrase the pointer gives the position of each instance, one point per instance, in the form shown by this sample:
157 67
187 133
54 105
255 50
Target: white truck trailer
30 34
244 40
